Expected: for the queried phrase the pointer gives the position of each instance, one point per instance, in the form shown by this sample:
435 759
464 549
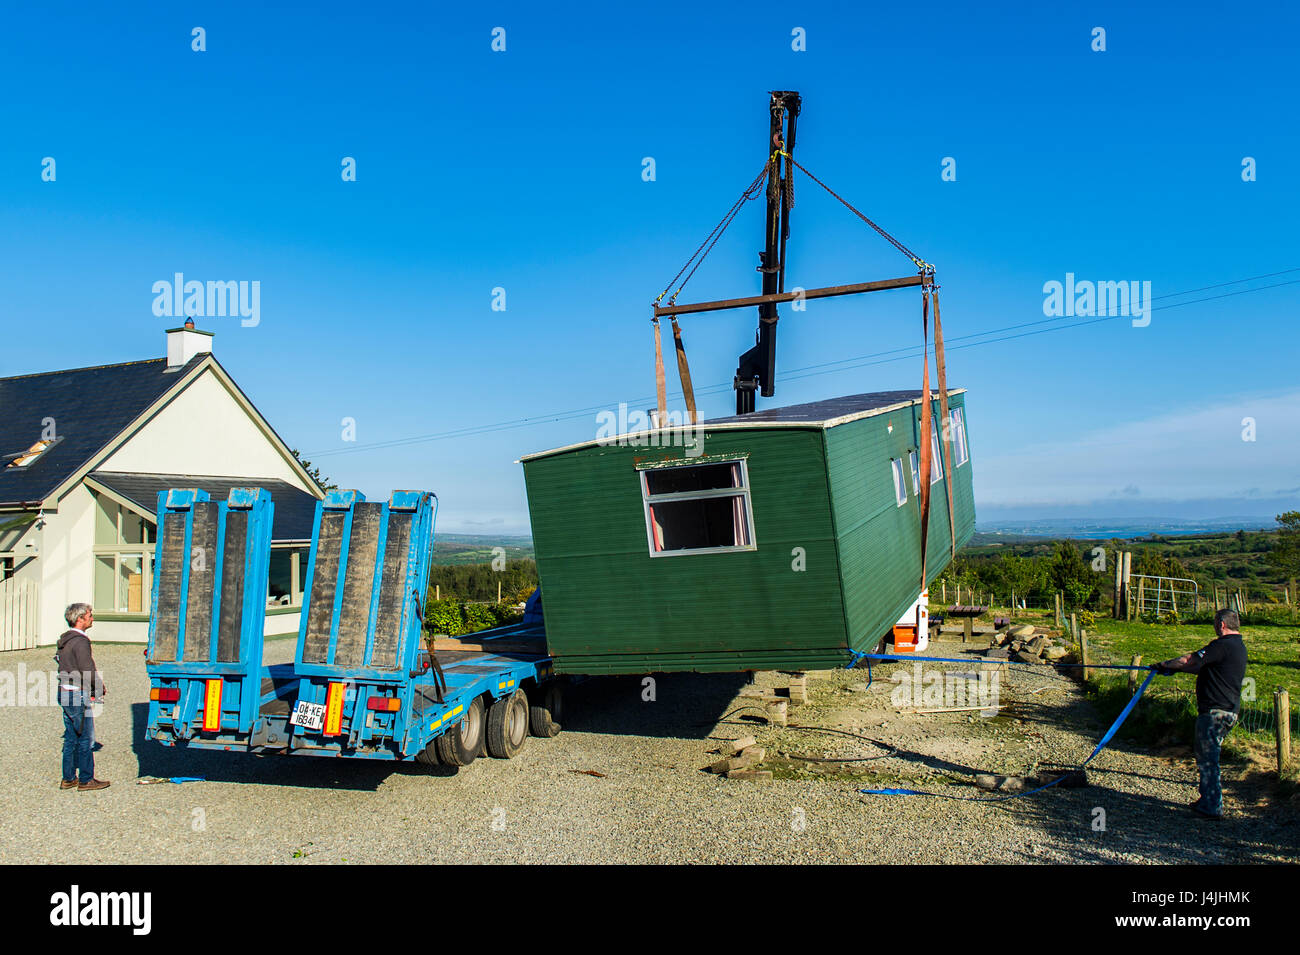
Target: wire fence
1256 716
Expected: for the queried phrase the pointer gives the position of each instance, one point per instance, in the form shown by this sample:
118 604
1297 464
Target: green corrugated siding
879 541
611 608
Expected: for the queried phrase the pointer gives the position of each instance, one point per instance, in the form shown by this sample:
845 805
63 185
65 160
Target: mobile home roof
814 414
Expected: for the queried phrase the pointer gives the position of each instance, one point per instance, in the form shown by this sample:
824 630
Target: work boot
92 785
1200 810
67 784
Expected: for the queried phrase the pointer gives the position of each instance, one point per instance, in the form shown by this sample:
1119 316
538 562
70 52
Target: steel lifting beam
830 291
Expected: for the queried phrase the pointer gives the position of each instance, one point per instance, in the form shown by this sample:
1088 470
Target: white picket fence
20 614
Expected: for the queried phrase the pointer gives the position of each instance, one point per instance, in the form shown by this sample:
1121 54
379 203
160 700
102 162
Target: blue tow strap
1106 737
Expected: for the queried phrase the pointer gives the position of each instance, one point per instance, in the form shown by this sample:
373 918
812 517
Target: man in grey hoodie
79 685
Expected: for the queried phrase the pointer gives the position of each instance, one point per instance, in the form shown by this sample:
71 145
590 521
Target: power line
810 371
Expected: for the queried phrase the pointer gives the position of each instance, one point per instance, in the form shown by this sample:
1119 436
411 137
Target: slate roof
295 509
90 407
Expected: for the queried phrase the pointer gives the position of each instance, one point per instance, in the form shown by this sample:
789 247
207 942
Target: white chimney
185 342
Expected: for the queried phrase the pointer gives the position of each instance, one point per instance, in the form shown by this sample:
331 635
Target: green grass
1168 710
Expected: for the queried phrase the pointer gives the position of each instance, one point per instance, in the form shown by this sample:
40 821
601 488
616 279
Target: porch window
695 509
123 552
285 577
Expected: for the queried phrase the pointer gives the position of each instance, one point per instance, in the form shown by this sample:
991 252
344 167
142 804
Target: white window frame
742 491
962 455
119 549
914 459
900 482
936 454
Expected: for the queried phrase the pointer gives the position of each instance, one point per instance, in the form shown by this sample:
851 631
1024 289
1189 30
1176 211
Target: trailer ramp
204 655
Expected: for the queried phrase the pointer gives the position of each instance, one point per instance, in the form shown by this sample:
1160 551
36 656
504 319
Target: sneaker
92 785
67 784
1200 810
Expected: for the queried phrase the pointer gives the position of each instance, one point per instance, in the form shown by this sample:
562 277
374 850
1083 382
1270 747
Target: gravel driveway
653 803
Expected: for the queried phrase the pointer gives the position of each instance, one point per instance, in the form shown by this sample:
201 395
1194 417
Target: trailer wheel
507 725
460 745
547 711
429 755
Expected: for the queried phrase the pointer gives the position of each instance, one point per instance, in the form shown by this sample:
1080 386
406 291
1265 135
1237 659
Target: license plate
308 715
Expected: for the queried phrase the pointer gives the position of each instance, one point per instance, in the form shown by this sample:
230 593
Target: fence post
1119 583
1083 652
498 591
1074 626
1282 710
1142 593
1133 675
437 591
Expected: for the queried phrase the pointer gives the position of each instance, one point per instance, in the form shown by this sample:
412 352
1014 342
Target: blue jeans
1211 728
78 737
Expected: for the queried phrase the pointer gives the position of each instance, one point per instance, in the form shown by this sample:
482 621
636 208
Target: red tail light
384 704
165 694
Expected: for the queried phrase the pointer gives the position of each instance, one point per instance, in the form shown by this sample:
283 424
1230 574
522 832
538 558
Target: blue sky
522 170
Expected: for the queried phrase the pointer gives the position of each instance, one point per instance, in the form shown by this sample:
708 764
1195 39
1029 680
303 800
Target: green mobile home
780 539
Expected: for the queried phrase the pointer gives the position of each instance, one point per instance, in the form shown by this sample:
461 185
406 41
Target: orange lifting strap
661 403
923 471
945 449
683 372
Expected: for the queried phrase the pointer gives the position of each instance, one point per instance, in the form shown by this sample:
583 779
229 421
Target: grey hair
75 612
1228 618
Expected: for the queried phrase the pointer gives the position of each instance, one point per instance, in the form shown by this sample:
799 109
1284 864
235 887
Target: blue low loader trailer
364 682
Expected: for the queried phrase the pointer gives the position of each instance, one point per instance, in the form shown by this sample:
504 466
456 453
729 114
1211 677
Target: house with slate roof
83 455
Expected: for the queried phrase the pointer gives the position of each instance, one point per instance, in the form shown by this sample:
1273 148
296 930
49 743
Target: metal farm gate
20 614
1160 595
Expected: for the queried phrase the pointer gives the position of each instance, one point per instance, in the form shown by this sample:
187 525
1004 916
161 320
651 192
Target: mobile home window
962 455
900 489
915 460
695 509
936 465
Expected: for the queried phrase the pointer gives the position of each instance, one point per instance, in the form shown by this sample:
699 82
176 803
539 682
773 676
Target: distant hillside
478 548
1120 528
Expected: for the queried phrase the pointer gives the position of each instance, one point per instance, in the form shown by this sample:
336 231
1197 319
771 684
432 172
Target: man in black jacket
79 686
1220 669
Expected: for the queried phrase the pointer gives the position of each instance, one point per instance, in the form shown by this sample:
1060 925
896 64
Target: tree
1072 576
314 472
1285 555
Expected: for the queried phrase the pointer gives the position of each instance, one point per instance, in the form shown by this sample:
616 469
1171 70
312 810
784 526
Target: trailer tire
461 744
429 755
547 711
507 725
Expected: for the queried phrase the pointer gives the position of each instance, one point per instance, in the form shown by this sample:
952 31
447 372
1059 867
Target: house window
900 488
285 577
23 458
703 508
915 459
962 455
123 552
